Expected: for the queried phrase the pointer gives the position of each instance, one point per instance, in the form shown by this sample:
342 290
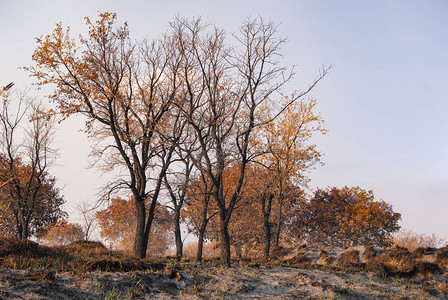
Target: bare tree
87 212
227 89
128 92
28 193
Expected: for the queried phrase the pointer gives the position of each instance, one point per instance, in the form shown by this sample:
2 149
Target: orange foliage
22 193
288 153
209 250
345 217
117 224
62 233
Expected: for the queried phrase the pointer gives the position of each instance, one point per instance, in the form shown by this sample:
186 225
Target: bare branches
28 193
190 95
88 214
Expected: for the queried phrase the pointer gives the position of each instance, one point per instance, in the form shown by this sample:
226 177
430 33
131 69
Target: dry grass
209 250
411 240
442 257
310 272
350 260
77 257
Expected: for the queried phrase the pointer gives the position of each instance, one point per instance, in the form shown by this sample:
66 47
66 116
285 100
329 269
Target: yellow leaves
288 135
76 77
103 28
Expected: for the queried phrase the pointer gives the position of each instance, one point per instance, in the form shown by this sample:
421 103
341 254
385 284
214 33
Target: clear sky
385 102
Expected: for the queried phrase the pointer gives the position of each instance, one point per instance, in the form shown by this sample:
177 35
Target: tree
226 91
287 157
177 191
62 233
125 90
258 205
345 217
177 179
29 196
117 225
89 223
284 157
198 210
128 90
22 214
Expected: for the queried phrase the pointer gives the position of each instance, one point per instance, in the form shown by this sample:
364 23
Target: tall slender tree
128 92
227 90
125 90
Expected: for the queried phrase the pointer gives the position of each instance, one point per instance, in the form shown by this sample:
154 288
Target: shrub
345 217
411 240
209 250
62 233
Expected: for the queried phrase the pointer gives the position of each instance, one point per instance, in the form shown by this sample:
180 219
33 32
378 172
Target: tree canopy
194 93
345 217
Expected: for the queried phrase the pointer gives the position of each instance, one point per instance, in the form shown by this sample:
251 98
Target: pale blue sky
385 101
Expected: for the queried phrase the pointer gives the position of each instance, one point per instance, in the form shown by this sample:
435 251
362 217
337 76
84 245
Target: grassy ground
88 270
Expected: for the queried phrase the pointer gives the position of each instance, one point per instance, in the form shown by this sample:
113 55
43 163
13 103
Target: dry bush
349 259
442 257
9 246
209 250
87 248
411 240
400 262
15 254
62 233
78 257
369 253
324 258
280 252
399 259
299 260
427 269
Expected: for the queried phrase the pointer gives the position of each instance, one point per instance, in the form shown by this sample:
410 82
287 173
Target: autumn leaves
195 120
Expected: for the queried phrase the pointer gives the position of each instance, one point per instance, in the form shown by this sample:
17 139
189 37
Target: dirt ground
213 283
87 270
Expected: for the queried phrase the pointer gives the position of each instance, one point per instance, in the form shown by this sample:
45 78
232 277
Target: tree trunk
177 232
19 231
25 233
141 241
202 229
279 222
267 235
266 208
22 227
201 235
200 245
225 242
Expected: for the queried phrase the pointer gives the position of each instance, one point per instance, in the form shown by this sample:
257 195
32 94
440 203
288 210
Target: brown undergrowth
78 257
348 272
393 262
87 256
